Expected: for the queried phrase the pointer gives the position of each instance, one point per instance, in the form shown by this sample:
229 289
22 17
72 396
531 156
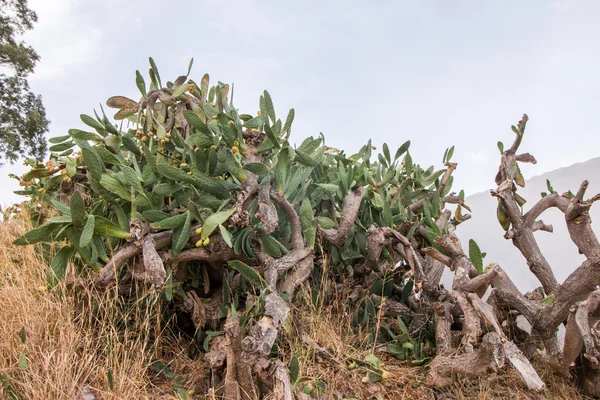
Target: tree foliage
23 120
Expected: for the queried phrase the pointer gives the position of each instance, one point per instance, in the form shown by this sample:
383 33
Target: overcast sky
439 73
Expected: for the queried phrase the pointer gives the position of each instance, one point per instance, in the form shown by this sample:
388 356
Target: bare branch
351 205
296 227
527 158
437 255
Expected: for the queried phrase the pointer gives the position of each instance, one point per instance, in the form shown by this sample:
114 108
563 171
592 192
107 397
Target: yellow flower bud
199 243
206 242
199 231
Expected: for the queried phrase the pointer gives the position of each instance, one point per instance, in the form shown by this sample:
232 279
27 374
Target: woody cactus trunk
223 214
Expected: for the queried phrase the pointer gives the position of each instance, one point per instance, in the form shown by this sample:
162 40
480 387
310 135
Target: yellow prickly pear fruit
206 242
236 143
199 243
199 231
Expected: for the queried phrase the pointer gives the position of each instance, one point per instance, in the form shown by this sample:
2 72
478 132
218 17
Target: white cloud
478 157
62 38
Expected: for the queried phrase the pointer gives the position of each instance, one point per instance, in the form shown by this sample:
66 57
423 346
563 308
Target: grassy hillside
63 344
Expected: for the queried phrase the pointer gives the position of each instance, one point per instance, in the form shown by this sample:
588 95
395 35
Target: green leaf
325 222
450 153
61 219
42 233
272 136
154 215
270 246
402 150
115 186
181 89
247 272
475 256
184 235
502 216
93 162
105 227
549 186
257 168
59 139
305 159
407 290
170 223
408 163
63 208
213 221
173 173
23 366
139 81
91 122
287 126
166 189
88 231
386 153
269 106
61 260
294 369
548 300
515 130
226 235
373 360
132 178
255 122
196 122
79 135
189 67
501 147
432 178
130 145
155 70
77 207
307 221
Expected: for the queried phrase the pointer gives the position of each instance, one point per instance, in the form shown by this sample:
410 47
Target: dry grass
331 328
75 342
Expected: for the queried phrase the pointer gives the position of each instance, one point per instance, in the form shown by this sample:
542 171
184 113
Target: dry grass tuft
76 343
330 327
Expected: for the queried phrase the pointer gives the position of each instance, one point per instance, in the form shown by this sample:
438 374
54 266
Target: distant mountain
557 247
